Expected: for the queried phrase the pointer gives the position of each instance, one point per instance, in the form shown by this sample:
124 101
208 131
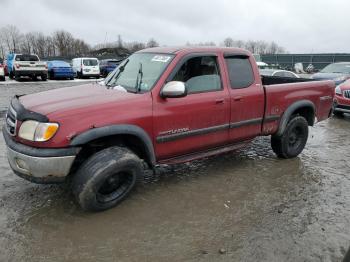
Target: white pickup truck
27 65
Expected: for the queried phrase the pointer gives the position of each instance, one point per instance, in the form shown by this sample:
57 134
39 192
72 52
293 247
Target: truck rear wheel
293 140
106 178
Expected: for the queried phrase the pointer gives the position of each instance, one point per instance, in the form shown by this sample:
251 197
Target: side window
200 74
240 71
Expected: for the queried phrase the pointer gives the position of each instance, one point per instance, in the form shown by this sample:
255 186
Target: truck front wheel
292 142
106 178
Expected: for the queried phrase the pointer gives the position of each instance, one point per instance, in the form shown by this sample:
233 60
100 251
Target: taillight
17 65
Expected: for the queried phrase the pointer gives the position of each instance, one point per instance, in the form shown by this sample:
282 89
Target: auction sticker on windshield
161 58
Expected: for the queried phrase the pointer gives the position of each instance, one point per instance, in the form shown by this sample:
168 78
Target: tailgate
27 65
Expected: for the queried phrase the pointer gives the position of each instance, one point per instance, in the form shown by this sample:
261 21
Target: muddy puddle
249 206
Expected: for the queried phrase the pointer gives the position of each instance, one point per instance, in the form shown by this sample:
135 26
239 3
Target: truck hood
72 98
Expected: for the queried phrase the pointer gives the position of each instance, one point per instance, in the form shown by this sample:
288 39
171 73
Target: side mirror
174 89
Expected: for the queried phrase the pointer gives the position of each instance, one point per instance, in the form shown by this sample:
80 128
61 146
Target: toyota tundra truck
161 106
26 65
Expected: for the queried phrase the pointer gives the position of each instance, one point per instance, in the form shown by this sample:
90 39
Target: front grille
11 121
347 93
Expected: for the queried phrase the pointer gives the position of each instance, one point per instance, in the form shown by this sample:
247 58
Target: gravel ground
248 206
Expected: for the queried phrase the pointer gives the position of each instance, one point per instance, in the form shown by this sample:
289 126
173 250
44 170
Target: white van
86 67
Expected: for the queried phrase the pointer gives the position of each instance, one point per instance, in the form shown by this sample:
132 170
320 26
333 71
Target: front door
198 121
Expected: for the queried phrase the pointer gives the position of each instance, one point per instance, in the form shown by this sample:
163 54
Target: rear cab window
240 71
200 74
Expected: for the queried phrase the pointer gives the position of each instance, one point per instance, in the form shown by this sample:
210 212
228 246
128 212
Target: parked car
60 69
278 73
26 65
163 106
108 65
2 71
342 99
86 67
338 72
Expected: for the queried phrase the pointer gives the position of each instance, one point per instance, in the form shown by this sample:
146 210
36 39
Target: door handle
220 101
237 98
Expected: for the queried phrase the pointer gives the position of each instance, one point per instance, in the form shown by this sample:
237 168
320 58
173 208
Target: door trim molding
207 130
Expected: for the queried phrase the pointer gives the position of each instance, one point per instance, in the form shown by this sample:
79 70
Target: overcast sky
299 26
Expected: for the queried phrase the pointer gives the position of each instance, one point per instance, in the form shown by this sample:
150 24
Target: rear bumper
91 74
30 72
38 165
63 74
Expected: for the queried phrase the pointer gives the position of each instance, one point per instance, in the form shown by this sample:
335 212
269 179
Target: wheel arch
128 135
304 108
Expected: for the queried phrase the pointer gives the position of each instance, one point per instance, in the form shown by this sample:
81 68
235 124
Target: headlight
36 131
338 90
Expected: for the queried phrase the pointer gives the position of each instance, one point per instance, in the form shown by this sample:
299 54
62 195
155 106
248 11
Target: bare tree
63 42
120 41
11 37
152 43
134 46
229 42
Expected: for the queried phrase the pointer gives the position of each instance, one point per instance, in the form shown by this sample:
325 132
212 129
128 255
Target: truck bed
275 80
281 96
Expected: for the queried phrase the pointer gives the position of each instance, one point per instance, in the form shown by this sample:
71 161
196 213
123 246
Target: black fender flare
289 112
106 131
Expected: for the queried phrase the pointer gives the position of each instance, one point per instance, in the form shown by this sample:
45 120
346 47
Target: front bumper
39 165
341 104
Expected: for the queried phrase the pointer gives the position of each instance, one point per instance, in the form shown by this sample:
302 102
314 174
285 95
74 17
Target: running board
204 154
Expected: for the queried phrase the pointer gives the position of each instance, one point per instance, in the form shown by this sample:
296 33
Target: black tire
80 75
34 78
11 75
44 77
2 78
17 77
338 113
106 178
51 75
293 140
71 78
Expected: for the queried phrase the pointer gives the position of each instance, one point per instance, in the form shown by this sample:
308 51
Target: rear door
198 121
246 97
90 66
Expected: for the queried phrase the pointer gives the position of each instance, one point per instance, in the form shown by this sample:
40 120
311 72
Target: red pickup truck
161 106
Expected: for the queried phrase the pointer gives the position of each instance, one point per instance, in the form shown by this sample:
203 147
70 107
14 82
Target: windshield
337 68
31 58
140 71
90 62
